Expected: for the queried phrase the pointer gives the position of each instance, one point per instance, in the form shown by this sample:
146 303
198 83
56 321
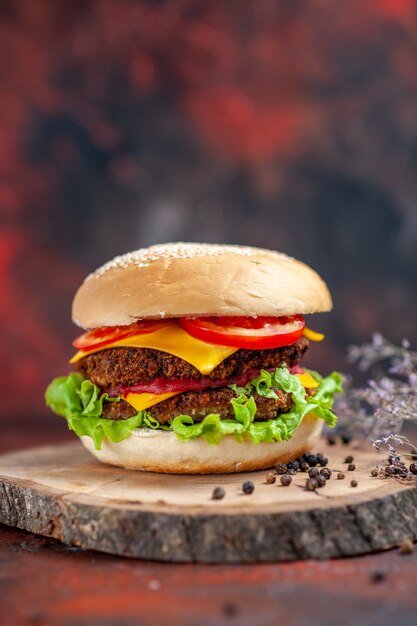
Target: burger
191 360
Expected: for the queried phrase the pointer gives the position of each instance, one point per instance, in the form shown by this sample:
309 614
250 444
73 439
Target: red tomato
98 337
255 333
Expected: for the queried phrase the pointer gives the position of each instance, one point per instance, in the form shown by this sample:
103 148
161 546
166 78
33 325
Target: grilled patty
198 404
129 366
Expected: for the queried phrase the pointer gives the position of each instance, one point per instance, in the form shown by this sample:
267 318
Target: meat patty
201 403
128 366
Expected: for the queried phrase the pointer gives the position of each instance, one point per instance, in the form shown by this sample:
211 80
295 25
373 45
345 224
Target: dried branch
380 408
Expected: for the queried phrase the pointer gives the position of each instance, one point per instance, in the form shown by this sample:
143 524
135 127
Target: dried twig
380 408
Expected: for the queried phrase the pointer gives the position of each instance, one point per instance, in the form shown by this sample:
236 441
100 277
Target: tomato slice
255 333
98 337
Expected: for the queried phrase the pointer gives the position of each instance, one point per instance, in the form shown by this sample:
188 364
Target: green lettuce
79 401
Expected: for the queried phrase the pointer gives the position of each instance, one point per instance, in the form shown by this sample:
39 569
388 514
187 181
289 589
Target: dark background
289 125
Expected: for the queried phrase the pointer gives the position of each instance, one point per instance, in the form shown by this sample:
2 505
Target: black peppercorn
331 441
349 459
321 481
311 484
345 439
323 461
374 472
291 471
326 472
391 470
248 487
313 472
304 467
353 483
281 468
312 460
340 475
294 465
270 478
403 472
230 609
351 467
394 459
413 468
218 493
285 480
378 576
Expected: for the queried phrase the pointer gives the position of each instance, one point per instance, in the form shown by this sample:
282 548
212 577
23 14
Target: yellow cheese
307 381
173 339
312 335
142 401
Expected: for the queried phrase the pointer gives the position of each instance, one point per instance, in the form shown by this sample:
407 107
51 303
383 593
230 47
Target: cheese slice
173 339
142 401
312 335
307 381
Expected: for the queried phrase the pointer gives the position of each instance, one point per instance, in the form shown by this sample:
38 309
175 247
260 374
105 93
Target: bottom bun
161 451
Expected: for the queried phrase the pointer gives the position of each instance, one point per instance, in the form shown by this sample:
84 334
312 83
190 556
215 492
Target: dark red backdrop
290 125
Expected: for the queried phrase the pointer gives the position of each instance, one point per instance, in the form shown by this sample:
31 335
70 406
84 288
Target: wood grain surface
62 492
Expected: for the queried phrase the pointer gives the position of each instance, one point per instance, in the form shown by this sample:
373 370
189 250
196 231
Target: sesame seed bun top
191 279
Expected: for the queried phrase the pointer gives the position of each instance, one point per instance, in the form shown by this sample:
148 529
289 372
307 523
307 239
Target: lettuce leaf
79 401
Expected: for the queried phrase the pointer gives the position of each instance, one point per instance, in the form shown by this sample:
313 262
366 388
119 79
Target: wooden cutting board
61 491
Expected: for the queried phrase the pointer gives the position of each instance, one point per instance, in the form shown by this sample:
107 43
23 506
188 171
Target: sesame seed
142 257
